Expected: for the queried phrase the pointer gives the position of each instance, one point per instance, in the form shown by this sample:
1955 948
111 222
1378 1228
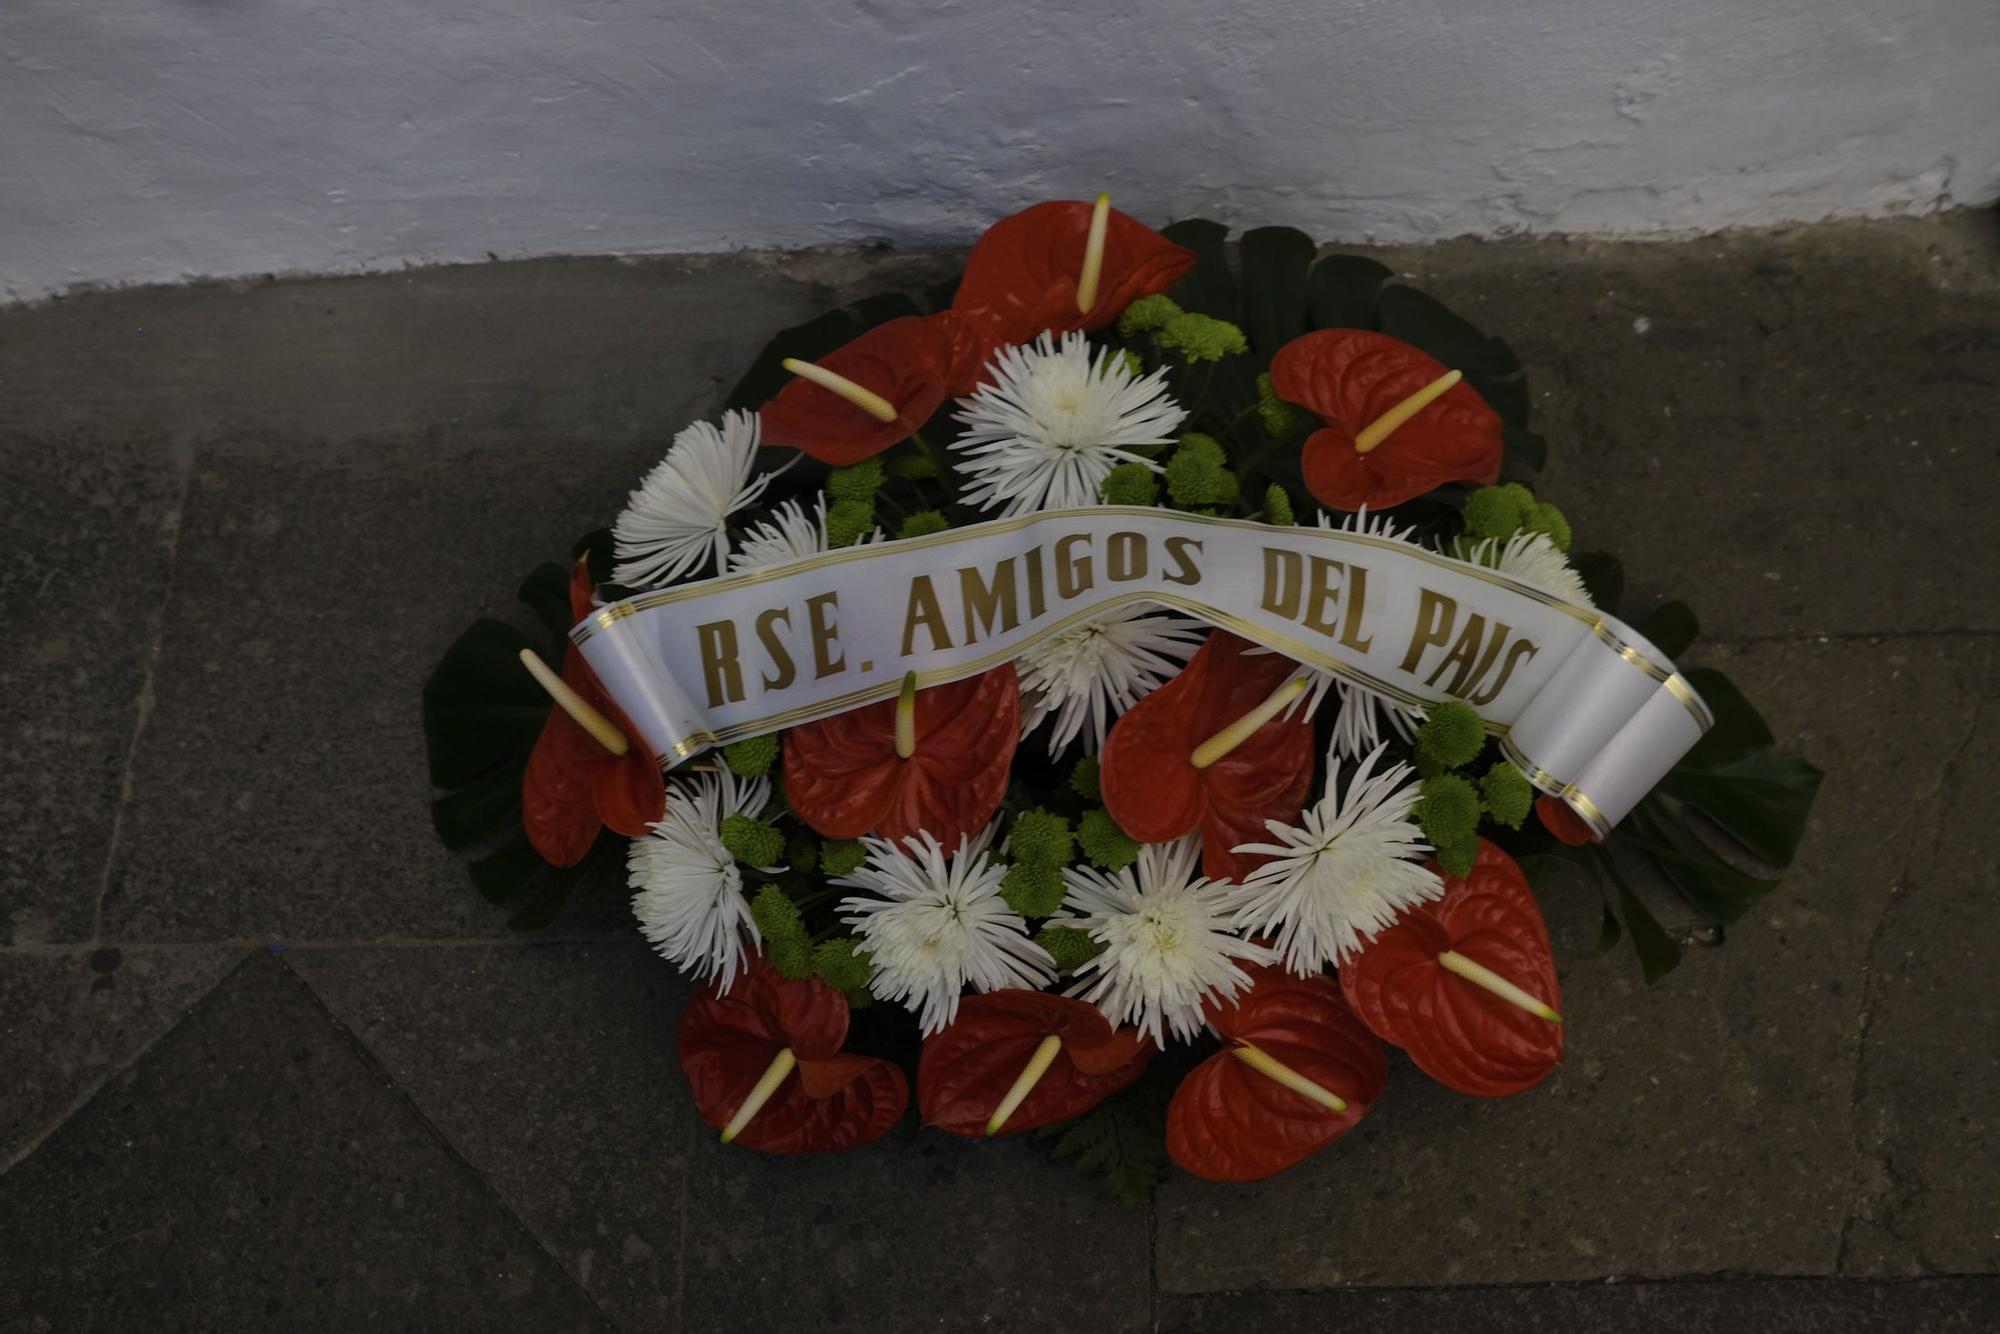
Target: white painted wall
149 140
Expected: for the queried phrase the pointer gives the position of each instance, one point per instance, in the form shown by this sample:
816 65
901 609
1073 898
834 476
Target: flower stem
931 457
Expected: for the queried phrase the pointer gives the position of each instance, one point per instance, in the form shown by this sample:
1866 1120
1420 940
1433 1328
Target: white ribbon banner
1587 708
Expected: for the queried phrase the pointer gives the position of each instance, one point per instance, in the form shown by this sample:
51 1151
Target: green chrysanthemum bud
1205 448
1134 364
1458 858
802 851
923 522
1069 946
1497 511
1130 484
841 856
1202 337
751 841
751 757
1451 735
1147 314
859 998
912 467
1448 810
1278 505
786 943
859 481
1546 519
1279 417
1040 838
1193 478
1083 778
1104 843
842 963
1508 794
848 521
1032 891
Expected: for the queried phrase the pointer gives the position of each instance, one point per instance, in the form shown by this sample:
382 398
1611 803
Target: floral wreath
1148 890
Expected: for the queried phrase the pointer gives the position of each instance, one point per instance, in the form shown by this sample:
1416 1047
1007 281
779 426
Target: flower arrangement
1147 886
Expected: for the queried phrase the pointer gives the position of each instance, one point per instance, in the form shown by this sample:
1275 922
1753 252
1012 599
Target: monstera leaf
970 1066
1457 1032
1230 1122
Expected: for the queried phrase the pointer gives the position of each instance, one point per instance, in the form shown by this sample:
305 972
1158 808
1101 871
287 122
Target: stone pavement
266 1061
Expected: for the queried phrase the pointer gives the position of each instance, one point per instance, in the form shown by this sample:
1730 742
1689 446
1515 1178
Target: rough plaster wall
145 140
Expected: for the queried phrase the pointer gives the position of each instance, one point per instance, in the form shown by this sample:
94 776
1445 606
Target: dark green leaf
478 809
506 871
1527 454
546 591
1709 885
1761 800
480 704
1209 287
1659 953
543 905
811 341
1739 729
1275 261
1603 577
1342 290
1490 366
1607 930
1672 628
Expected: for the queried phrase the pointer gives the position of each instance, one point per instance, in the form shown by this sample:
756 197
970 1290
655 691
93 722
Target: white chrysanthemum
1348 869
1086 676
1357 728
690 902
1053 421
787 535
678 519
1166 937
1534 559
939 924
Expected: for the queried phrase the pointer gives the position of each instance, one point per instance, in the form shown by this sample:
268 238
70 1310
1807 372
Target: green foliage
1546 519
1121 1143
912 467
842 963
1134 364
1040 838
1071 947
1202 337
1032 890
802 851
1451 735
753 756
1147 314
1507 793
786 943
859 481
841 856
1448 810
1130 484
848 521
1278 416
1083 778
859 998
1104 843
1278 506
1458 858
1204 448
751 841
922 523
1196 475
1498 511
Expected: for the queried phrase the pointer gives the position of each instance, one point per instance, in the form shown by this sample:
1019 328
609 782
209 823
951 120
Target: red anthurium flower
913 363
574 786
1150 783
1411 985
834 1100
1564 823
969 1068
1021 278
1234 1119
844 778
1349 379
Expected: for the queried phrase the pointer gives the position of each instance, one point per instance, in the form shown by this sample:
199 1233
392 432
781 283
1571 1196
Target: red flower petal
1020 279
1349 378
915 362
1568 827
834 1100
969 1067
1459 1033
1156 795
1228 1122
844 778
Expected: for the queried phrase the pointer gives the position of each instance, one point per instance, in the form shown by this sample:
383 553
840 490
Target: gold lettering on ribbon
923 610
720 671
819 616
774 645
984 601
1184 570
1435 615
1284 578
1073 573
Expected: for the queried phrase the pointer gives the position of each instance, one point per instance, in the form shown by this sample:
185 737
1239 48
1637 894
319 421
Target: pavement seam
58 950
1718 1278
88 1095
156 628
1847 636
373 1065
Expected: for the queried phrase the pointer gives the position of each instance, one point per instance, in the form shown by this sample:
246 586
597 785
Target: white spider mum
678 519
1534 559
938 924
789 534
1343 873
1053 420
1166 937
690 902
1085 676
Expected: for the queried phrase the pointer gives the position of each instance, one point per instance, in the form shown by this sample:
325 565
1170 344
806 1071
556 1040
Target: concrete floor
269 1062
